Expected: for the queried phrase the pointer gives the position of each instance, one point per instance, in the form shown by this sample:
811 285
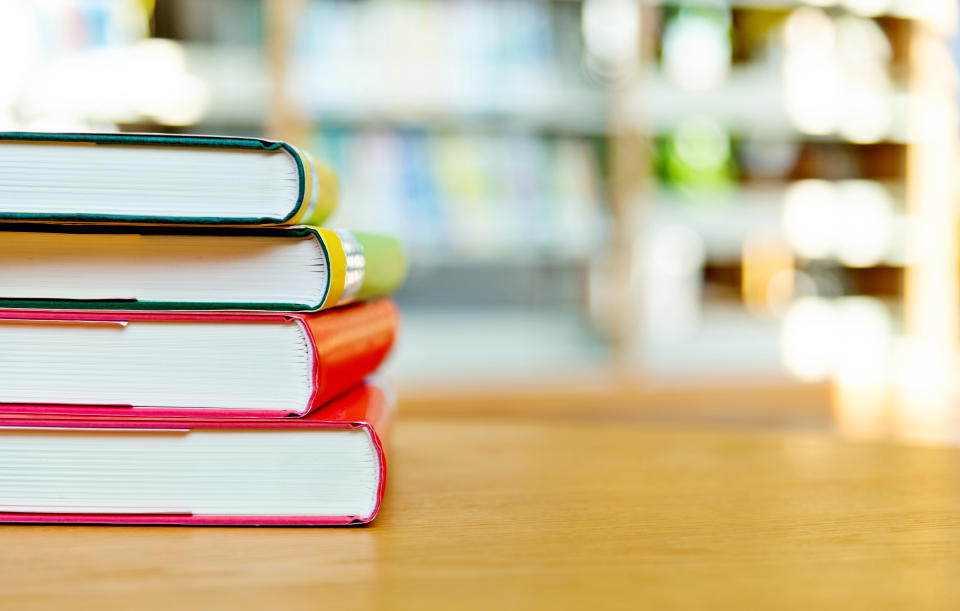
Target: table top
534 512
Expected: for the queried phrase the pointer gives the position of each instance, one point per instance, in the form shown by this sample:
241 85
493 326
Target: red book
190 364
325 468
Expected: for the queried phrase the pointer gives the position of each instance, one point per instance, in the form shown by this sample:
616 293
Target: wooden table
488 513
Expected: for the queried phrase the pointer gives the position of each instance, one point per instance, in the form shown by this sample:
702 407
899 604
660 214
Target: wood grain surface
554 513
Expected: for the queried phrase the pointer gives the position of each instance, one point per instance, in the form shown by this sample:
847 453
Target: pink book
324 469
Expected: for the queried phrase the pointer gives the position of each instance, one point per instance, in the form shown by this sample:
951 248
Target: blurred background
740 211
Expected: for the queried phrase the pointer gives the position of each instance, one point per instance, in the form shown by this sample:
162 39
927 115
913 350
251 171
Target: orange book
197 364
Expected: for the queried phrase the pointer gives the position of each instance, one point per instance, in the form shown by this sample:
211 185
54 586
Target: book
326 468
120 267
164 179
165 364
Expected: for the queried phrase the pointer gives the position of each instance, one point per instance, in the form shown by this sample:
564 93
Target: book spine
362 266
320 190
349 345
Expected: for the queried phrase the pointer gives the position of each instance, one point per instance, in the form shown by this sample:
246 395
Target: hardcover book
121 267
326 468
188 364
164 179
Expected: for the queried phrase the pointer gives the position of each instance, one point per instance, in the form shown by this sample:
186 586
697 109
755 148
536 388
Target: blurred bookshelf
609 193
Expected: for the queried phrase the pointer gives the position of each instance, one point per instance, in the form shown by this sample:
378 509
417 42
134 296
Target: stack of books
179 342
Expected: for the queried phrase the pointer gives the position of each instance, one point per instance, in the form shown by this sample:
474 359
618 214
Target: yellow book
118 267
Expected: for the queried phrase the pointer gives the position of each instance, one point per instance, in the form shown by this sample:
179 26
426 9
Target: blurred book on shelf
423 61
471 196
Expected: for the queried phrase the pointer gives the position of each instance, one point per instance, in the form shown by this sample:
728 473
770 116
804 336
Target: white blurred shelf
557 258
239 86
563 109
749 103
902 9
728 342
447 348
725 220
237 80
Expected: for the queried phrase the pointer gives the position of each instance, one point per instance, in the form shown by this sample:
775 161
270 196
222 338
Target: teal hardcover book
160 179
